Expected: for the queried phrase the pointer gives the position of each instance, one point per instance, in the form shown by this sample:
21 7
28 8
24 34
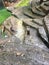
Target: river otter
15 27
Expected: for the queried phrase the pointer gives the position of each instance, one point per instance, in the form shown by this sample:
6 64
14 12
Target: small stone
9 41
18 53
22 54
6 36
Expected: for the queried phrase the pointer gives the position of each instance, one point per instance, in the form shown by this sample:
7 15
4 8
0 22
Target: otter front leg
3 29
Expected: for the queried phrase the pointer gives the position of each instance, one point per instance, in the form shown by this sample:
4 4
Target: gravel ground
31 52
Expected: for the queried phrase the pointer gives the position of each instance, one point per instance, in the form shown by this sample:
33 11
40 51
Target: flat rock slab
19 13
37 12
31 23
38 21
41 31
44 7
31 15
47 3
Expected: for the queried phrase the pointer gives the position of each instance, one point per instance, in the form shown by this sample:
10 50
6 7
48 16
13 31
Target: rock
44 8
39 9
46 19
45 22
34 3
47 3
43 33
38 21
19 13
46 42
18 53
31 23
32 15
37 12
25 12
10 9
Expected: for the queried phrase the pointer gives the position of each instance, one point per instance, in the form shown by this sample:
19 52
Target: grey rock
46 3
46 19
34 3
44 7
38 21
31 23
31 15
10 9
41 31
19 13
37 12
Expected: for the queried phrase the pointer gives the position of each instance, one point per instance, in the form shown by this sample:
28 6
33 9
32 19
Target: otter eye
12 29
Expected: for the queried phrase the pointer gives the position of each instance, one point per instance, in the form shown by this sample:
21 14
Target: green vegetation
22 3
4 14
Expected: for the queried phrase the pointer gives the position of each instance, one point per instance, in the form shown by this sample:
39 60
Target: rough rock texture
34 50
31 52
46 19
